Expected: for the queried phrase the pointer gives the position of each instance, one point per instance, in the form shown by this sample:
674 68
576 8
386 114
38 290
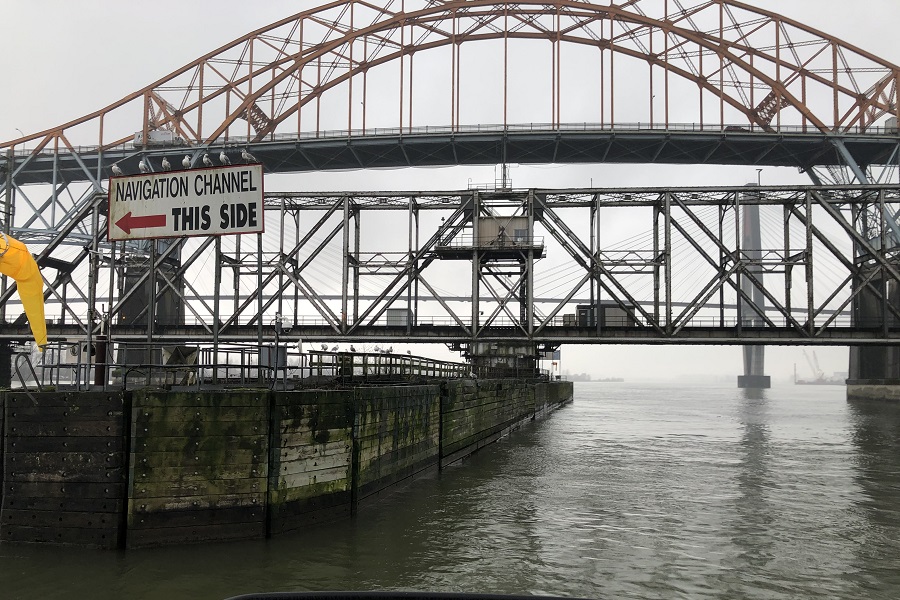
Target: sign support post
189 203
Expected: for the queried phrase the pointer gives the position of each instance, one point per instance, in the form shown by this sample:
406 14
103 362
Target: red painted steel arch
750 68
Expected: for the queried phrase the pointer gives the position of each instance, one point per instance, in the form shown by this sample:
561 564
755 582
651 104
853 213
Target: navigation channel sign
217 201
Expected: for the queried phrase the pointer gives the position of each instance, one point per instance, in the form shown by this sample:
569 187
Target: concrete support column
754 369
875 370
751 245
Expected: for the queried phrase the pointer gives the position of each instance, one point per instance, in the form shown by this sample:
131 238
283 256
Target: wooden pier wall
64 468
198 466
151 467
397 433
477 413
310 475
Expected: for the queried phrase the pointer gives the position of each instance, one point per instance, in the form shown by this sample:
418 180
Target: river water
633 491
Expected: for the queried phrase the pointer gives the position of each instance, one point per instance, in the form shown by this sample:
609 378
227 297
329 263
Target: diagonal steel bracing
309 270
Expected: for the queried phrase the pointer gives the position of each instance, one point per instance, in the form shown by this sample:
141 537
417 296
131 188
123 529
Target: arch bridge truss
354 84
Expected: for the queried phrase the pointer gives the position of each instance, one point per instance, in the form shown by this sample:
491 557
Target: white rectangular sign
217 201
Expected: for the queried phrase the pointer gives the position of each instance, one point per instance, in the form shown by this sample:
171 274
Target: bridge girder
322 258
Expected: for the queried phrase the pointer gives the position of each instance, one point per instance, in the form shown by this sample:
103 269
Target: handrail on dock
128 366
20 357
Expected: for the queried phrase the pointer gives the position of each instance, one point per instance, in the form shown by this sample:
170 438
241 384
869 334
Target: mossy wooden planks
198 466
177 467
310 478
397 434
64 468
479 412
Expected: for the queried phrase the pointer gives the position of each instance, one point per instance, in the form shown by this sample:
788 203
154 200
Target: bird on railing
207 160
409 353
117 171
143 166
352 348
389 350
377 348
324 347
166 165
334 348
248 158
223 158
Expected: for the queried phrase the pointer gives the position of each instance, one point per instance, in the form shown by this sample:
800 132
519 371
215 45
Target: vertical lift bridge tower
500 243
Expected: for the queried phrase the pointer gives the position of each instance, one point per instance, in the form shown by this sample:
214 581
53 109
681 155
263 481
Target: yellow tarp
16 262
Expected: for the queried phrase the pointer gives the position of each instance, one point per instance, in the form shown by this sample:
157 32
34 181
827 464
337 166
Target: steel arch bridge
355 85
360 85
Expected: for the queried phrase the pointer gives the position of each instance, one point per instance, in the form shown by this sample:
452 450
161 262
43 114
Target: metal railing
348 366
711 318
505 241
128 366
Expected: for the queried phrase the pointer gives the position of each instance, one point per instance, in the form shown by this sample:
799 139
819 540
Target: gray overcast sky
63 59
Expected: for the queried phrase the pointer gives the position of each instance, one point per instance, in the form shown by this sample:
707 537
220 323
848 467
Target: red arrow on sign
129 222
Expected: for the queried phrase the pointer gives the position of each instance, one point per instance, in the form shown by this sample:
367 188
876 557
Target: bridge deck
530 144
441 334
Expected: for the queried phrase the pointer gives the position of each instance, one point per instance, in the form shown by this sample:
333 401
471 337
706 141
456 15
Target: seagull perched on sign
334 348
117 171
143 166
223 158
186 162
207 160
324 347
352 349
166 165
248 158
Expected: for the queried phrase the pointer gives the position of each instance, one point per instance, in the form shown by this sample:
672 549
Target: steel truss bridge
361 85
468 268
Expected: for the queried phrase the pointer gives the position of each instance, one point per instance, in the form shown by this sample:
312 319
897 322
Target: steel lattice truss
354 69
430 82
326 270
742 61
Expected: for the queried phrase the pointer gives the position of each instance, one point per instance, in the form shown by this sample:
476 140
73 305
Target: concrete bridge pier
875 370
751 243
754 365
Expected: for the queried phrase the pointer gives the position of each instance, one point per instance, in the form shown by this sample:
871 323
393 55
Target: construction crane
818 374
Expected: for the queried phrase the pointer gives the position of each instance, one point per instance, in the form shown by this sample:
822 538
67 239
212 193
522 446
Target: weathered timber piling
156 467
477 413
64 468
396 435
199 466
310 477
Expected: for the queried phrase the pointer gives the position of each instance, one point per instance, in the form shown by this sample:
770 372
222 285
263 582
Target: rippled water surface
632 491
